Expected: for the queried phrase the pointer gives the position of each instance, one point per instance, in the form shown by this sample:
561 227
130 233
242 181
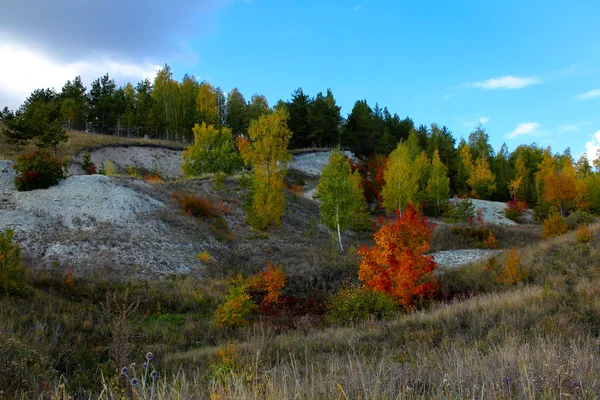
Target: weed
12 278
583 234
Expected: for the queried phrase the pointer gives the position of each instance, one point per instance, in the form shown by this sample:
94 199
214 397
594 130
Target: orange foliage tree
558 179
270 281
397 264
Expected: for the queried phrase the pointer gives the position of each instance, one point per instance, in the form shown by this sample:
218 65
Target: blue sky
528 71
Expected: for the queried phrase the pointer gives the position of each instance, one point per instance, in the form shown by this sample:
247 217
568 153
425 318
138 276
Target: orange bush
583 234
396 264
195 206
490 242
555 225
511 272
69 279
271 281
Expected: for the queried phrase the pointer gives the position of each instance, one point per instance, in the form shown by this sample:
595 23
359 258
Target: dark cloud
128 29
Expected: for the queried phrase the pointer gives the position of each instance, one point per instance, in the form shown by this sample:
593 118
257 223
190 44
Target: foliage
213 151
460 210
578 218
558 179
266 151
12 279
270 281
220 229
355 304
204 256
194 206
514 209
373 169
226 363
401 180
86 163
38 170
238 305
397 264
509 273
109 169
490 242
554 226
438 185
583 234
481 179
340 195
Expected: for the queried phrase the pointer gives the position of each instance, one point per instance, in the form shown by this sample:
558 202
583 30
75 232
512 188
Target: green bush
12 278
579 218
461 210
355 304
38 170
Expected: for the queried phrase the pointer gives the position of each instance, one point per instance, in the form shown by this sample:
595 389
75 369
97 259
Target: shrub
38 170
541 212
194 206
220 229
555 225
88 166
397 264
510 272
579 218
490 242
514 209
238 305
270 281
12 278
204 256
460 210
583 234
355 304
109 169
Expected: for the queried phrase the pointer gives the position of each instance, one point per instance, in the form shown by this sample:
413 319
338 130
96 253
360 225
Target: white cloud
592 94
527 128
507 82
25 70
473 123
593 146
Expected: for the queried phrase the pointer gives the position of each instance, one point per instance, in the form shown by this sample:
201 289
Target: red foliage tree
397 264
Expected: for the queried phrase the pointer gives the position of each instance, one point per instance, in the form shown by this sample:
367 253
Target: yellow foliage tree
481 179
518 183
206 104
401 180
266 151
558 181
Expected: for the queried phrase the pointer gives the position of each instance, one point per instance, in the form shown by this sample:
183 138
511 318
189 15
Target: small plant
38 170
461 210
238 305
511 272
88 166
220 229
131 171
353 304
204 256
143 387
270 281
194 206
515 209
554 226
109 168
490 242
225 364
583 234
12 278
219 182
579 218
69 279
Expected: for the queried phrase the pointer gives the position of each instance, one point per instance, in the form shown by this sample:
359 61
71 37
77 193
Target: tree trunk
339 232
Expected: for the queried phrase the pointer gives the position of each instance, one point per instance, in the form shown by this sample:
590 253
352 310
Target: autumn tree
397 264
213 151
401 180
558 181
438 185
481 179
340 194
266 151
68 110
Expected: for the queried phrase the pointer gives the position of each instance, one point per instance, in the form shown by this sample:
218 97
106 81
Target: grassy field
538 339
79 141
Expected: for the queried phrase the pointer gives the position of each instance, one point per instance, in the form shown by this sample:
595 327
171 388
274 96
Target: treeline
168 109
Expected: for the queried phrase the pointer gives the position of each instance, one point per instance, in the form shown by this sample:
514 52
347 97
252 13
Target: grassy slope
535 340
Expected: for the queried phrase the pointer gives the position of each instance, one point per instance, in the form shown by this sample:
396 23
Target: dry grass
79 141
